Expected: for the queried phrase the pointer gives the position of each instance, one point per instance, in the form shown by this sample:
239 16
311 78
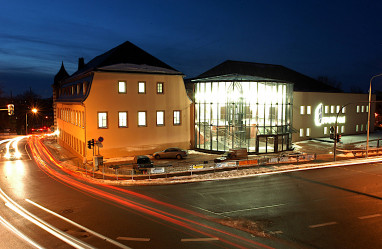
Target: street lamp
368 116
34 111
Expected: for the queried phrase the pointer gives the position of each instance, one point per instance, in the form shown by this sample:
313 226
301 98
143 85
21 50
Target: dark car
142 163
226 156
171 153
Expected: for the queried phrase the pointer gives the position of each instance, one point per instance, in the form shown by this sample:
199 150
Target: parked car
171 153
142 163
232 154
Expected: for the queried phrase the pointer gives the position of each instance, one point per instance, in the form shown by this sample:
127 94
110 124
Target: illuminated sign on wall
320 119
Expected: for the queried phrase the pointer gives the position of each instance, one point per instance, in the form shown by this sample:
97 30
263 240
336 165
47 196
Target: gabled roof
301 82
126 53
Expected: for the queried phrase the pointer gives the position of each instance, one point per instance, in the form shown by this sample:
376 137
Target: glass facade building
243 112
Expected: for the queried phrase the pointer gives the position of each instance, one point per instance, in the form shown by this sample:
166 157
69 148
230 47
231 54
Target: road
48 207
337 207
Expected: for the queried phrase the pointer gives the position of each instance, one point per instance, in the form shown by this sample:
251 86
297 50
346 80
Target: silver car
170 153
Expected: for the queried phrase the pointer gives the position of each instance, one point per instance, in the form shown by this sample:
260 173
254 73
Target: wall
135 140
353 119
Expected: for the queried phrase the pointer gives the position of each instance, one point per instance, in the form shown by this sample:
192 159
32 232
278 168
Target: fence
125 171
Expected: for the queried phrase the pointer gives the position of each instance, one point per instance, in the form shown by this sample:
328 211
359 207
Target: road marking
369 216
133 239
323 224
255 208
276 232
79 226
199 239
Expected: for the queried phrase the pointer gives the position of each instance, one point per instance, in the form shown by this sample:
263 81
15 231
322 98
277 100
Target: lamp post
368 116
34 110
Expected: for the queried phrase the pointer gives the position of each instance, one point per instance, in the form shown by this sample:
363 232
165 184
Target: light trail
38 150
18 233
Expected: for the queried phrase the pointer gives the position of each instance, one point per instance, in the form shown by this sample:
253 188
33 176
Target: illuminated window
343 129
357 128
367 108
344 109
325 130
142 118
357 108
338 109
176 117
102 120
122 119
301 132
332 109
302 110
121 87
362 109
361 127
160 118
160 87
326 109
307 132
142 87
308 110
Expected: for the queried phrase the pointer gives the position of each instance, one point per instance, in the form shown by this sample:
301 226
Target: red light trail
39 152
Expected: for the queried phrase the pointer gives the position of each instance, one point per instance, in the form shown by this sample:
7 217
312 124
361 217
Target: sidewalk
322 147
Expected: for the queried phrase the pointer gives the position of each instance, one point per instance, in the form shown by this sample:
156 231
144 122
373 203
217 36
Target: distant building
135 102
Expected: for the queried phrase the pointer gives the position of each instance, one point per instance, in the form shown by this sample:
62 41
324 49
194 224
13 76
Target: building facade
132 108
314 113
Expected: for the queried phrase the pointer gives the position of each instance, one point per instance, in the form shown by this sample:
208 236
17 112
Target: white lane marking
255 208
79 226
50 229
42 224
369 216
18 233
133 239
323 224
199 239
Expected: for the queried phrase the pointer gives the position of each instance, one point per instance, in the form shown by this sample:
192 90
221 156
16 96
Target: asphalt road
94 216
338 207
324 208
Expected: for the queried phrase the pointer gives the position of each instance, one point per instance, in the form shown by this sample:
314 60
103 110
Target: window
160 118
361 127
325 130
326 109
362 109
338 109
122 119
356 128
176 117
142 118
367 108
307 132
102 120
301 132
308 110
160 87
344 109
343 129
332 109
302 110
142 87
121 87
357 108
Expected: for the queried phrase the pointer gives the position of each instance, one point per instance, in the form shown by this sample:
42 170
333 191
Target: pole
26 123
368 116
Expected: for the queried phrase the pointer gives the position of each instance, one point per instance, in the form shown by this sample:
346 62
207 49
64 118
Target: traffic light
90 143
11 109
331 136
338 139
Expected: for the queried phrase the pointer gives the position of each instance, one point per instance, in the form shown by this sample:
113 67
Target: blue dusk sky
341 40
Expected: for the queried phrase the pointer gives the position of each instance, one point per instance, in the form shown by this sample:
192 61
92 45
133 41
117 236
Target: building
264 108
131 101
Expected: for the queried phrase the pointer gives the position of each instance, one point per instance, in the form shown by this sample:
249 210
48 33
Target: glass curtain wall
243 114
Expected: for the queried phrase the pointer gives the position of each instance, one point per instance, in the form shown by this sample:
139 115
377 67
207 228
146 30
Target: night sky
341 40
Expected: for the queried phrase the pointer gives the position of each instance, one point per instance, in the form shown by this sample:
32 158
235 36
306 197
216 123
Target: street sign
100 139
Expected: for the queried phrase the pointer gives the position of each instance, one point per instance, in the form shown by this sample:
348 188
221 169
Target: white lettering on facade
320 119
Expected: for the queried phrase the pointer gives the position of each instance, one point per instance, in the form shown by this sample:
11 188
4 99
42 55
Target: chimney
81 63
